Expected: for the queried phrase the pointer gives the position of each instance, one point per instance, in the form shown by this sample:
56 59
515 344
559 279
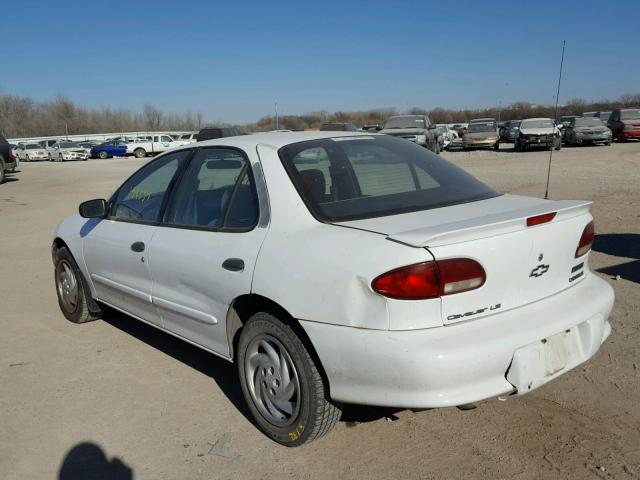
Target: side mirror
93 208
432 126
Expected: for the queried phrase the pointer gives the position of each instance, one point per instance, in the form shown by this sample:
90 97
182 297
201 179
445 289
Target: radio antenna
555 116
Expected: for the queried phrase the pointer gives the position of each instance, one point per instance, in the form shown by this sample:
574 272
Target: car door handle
233 264
137 247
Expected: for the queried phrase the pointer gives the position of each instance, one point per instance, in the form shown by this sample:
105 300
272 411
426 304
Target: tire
436 149
2 174
496 147
26 159
103 155
559 145
140 153
72 290
312 413
60 159
50 159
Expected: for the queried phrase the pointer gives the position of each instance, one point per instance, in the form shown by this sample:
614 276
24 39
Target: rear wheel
282 384
103 155
73 293
140 153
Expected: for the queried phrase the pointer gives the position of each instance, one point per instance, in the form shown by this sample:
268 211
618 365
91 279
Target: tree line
24 117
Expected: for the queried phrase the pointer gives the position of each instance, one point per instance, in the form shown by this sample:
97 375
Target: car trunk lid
523 263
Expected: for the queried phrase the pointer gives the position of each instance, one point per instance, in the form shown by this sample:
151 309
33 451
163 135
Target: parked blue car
109 149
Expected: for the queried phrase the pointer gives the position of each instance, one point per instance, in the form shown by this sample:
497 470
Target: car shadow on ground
625 245
87 461
224 373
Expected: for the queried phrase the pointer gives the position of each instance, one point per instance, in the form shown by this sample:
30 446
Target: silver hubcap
272 380
67 286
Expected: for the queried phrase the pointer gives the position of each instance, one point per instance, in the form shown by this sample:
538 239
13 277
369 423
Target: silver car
62 151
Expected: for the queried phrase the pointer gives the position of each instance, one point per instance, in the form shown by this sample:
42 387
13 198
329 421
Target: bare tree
152 117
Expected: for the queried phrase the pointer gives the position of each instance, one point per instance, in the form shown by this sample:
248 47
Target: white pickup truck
141 147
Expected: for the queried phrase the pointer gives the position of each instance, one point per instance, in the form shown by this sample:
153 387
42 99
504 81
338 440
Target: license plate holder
535 364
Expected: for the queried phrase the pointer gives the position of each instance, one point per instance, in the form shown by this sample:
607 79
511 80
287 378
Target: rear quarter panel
322 272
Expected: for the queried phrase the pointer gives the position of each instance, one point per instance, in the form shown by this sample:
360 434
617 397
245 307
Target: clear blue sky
233 59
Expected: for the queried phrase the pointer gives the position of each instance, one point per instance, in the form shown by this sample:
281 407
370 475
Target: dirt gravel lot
157 408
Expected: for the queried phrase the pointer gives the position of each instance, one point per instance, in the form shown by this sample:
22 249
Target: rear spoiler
488 225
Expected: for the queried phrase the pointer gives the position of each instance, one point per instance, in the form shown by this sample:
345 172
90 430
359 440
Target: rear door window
215 192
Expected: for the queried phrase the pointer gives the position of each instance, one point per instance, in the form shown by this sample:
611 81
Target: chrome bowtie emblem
539 270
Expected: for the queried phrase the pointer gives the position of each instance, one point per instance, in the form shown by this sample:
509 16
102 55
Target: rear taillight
431 279
538 219
586 240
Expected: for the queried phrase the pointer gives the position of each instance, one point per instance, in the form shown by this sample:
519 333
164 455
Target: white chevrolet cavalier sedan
340 268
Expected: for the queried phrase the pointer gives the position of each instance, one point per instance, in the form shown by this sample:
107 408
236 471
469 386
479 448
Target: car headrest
314 184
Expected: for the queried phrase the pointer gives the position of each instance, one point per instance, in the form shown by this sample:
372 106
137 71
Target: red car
625 123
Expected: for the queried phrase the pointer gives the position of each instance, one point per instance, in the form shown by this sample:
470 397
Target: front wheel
282 384
73 293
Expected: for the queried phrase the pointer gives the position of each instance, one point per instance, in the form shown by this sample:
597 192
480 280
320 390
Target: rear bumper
10 165
480 143
465 362
537 142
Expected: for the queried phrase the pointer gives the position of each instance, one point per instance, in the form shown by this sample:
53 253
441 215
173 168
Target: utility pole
277 118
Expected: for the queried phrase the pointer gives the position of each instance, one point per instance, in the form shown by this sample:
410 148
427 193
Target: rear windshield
405 122
349 178
481 127
588 122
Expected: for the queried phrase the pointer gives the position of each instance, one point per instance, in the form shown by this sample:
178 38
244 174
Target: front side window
348 178
167 139
215 192
141 197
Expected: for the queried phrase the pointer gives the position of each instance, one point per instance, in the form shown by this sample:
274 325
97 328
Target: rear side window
215 192
349 178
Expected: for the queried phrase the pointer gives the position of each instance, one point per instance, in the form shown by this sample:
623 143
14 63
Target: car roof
537 118
278 139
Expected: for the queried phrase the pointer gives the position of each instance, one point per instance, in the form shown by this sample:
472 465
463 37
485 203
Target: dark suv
7 160
211 133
